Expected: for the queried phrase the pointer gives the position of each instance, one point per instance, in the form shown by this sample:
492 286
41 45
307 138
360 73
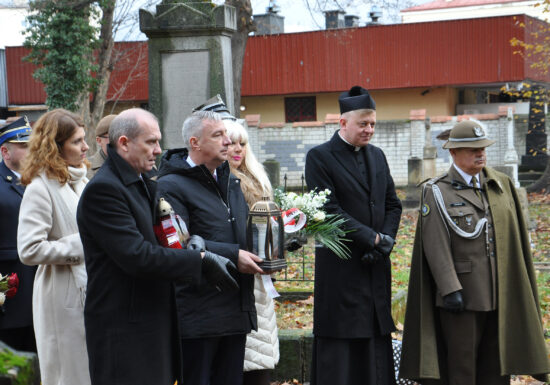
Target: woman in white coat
262 346
47 236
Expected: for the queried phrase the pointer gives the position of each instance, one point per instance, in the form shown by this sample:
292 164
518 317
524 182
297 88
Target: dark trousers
19 338
213 360
257 377
471 342
358 361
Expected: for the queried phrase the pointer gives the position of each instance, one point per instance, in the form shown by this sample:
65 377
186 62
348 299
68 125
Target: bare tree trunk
92 111
245 25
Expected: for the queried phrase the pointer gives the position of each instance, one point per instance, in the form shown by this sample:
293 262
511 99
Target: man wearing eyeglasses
102 140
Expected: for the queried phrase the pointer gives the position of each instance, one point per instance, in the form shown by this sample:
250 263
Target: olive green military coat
521 340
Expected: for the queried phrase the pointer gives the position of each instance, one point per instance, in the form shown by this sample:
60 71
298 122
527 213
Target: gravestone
189 60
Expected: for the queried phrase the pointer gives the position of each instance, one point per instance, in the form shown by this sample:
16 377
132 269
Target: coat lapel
344 156
467 194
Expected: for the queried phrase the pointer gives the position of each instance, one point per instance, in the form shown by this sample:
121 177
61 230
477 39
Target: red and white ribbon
293 220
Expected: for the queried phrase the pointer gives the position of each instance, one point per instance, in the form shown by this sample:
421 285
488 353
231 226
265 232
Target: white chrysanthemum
2 298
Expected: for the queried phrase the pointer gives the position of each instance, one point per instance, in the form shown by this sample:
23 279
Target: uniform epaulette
433 180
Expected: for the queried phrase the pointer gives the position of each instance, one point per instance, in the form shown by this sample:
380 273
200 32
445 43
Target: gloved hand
385 245
294 243
217 271
196 242
453 302
372 257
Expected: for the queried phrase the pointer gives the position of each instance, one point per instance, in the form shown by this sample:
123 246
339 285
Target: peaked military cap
16 132
216 104
357 98
468 134
103 125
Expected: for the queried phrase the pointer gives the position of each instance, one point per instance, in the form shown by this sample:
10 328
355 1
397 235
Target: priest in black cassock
352 312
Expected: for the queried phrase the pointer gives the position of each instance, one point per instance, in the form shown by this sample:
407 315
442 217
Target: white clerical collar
193 164
355 148
467 177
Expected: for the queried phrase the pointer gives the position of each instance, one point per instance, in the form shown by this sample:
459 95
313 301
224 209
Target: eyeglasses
104 136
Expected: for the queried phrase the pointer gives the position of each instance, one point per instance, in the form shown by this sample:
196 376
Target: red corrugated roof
456 52
129 79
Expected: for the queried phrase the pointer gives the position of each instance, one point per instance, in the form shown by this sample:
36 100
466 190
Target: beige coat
96 161
48 237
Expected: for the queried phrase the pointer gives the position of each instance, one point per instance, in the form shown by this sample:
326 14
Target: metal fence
300 262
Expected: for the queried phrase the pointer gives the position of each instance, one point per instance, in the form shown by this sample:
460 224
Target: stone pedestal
272 168
429 153
511 156
412 199
189 60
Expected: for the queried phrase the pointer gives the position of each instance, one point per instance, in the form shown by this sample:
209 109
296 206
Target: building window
302 109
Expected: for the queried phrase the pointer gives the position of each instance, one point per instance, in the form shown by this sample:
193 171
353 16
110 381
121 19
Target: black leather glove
196 243
372 257
385 245
217 271
453 302
294 243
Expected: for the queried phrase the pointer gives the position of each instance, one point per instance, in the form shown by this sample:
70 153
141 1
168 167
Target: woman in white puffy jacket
47 236
262 346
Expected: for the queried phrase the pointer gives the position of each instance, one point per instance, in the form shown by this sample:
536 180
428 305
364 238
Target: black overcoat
217 211
129 314
349 295
17 311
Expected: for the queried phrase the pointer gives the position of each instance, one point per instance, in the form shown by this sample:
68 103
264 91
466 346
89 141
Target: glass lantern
266 235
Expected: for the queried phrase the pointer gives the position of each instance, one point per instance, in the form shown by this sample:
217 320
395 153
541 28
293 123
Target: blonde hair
250 166
47 138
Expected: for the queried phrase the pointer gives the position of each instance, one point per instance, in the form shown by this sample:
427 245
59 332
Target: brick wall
399 139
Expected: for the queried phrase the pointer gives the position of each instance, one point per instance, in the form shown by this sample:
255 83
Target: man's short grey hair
194 123
127 124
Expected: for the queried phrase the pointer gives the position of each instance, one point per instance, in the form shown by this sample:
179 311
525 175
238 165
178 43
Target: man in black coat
198 184
129 314
16 328
352 308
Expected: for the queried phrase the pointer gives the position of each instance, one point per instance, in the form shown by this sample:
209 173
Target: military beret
102 127
16 132
468 134
216 104
357 98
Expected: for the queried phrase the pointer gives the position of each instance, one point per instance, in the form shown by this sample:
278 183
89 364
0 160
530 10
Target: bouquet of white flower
304 215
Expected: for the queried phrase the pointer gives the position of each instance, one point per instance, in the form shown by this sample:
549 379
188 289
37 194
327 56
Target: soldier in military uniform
16 314
472 313
102 140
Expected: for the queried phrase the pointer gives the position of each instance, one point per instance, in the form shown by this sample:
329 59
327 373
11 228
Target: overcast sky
300 15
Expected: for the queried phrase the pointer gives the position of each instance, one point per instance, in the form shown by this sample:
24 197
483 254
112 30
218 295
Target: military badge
425 209
478 131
